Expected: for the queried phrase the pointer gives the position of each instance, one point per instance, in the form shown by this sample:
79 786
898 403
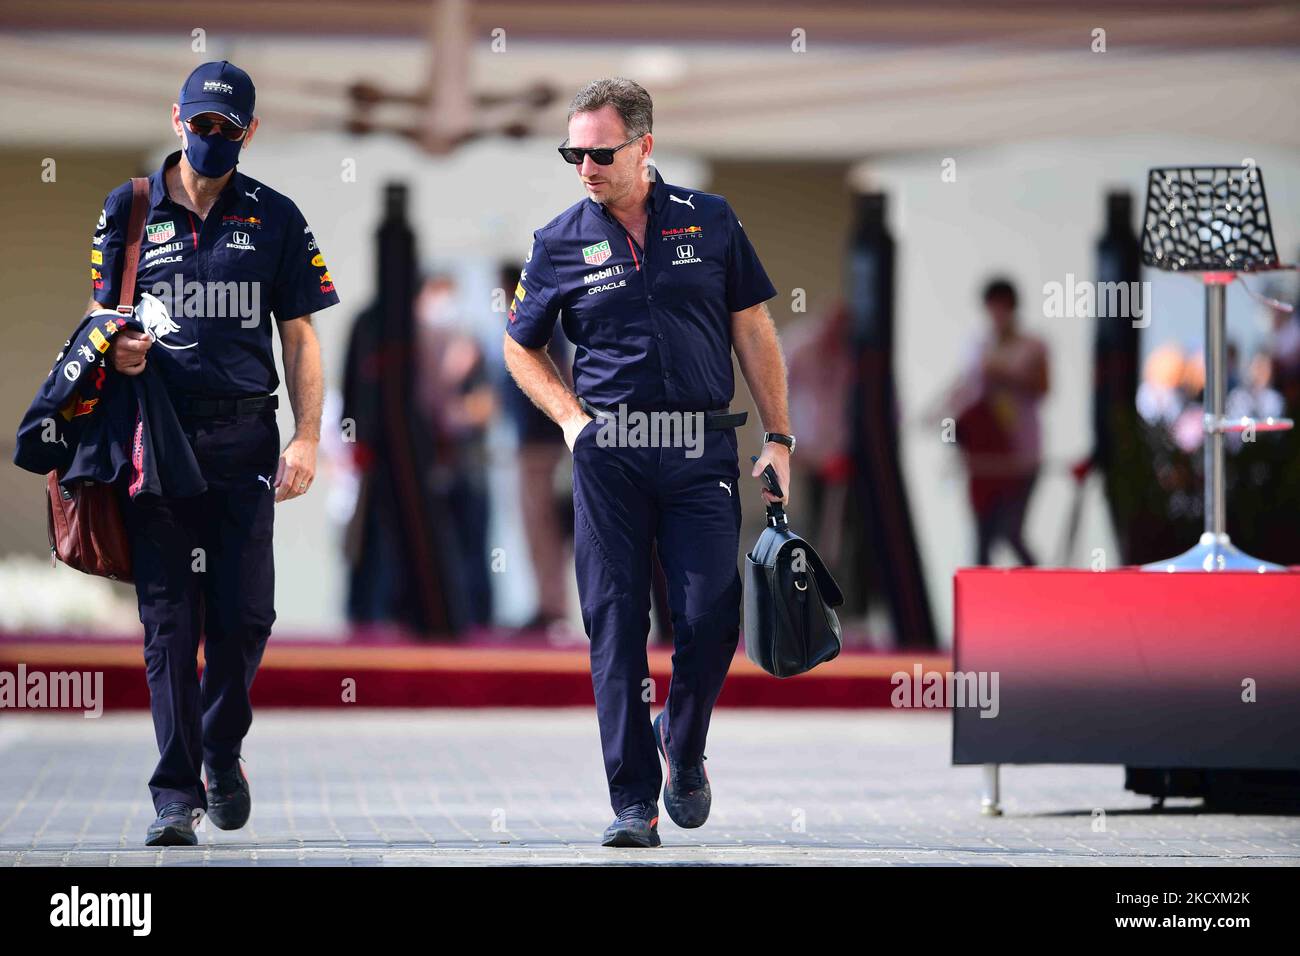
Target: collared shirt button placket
664 349
201 273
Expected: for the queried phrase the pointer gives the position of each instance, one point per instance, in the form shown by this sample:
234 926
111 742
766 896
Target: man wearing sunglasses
224 258
656 286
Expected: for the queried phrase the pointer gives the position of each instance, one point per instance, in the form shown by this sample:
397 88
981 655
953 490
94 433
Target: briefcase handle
775 510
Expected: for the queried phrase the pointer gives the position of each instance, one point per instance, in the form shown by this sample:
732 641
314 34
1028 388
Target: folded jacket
90 423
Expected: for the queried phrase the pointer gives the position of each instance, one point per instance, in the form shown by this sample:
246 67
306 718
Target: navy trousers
625 499
203 567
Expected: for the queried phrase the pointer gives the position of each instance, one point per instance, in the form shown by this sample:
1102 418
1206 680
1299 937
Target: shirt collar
158 181
656 200
658 192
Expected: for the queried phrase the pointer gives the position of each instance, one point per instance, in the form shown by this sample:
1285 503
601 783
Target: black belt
216 407
715 420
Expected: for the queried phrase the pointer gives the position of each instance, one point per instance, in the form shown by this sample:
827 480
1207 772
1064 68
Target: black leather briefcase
790 626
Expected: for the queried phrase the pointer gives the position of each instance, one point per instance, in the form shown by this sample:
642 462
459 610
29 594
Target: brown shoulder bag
85 521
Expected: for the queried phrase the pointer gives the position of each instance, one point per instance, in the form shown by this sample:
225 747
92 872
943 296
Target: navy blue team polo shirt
215 338
651 327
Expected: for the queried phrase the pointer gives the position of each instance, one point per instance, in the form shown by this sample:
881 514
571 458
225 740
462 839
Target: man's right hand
573 426
127 353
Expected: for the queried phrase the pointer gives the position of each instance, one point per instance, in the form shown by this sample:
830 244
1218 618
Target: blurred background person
819 361
454 390
1284 347
1254 396
1189 427
1160 396
453 404
1232 367
998 398
548 523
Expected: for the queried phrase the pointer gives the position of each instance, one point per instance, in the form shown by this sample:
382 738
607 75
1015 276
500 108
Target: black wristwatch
786 440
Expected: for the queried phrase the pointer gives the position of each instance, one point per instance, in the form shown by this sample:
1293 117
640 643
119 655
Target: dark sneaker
174 826
687 795
637 825
229 801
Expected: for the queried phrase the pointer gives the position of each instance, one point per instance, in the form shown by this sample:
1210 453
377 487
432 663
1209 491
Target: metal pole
991 795
1215 357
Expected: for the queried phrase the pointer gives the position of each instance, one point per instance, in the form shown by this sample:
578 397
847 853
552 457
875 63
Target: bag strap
134 235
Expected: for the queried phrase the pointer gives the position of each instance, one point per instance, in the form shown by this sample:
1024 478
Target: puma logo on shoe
684 202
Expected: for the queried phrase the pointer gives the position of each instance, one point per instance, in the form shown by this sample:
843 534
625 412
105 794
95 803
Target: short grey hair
628 97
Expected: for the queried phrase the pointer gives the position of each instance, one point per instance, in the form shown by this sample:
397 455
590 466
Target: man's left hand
297 469
778 456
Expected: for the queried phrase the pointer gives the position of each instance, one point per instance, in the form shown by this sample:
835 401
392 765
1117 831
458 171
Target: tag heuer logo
161 231
597 254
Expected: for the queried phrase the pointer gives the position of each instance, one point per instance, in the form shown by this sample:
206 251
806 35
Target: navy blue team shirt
651 327
253 236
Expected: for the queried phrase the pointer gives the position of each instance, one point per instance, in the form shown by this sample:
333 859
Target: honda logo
685 252
241 239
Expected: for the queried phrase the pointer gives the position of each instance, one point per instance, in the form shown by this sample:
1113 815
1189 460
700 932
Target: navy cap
218 88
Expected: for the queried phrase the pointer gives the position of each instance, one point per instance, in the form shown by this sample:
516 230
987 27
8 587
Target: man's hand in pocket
573 426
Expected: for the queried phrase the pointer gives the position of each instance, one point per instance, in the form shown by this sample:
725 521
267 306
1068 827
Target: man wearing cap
224 258
657 286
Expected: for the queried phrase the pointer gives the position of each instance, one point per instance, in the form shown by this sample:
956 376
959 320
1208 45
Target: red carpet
298 673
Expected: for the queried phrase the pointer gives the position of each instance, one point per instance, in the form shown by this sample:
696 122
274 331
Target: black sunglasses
202 126
601 155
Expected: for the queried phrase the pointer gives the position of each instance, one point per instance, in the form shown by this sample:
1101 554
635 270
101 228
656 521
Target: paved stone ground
521 787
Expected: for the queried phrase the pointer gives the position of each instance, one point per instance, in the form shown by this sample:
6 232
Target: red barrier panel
1131 667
